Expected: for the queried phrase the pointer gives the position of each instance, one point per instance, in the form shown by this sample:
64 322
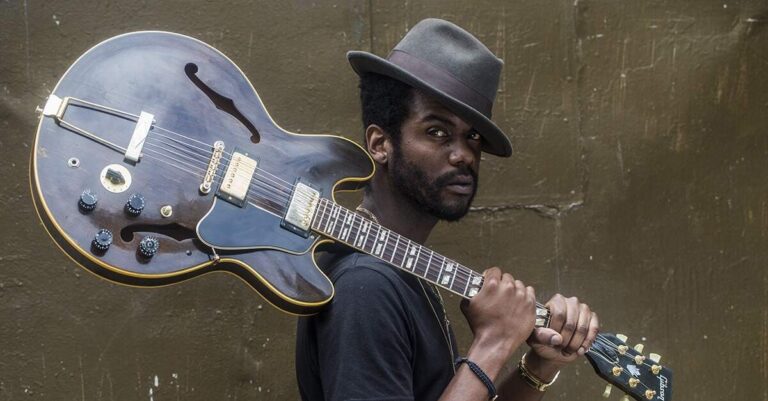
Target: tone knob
148 247
102 240
87 200
135 205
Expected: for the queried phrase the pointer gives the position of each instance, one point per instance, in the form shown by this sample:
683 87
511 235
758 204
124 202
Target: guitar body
197 97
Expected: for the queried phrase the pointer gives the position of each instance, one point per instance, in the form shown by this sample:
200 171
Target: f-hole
172 230
221 102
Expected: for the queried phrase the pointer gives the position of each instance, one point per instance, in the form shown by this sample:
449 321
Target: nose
462 152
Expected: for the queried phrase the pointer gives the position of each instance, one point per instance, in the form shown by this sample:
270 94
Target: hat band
442 81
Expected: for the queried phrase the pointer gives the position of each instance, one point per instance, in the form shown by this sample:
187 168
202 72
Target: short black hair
385 102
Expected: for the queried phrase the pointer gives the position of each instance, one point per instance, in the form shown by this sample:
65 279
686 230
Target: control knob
102 240
87 200
135 205
149 246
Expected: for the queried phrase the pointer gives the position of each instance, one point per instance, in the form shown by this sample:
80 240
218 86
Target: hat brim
494 140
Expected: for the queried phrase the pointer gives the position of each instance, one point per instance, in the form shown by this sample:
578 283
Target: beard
411 180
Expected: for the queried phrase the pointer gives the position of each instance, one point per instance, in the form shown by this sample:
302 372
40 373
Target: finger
582 329
531 293
594 328
557 309
571 322
545 336
493 273
507 278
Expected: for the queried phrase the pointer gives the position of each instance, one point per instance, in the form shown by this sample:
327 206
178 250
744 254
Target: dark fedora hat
448 63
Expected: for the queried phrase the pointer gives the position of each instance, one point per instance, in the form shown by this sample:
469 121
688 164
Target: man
385 335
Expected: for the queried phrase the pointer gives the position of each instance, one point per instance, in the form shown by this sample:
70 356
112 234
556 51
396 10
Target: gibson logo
662 385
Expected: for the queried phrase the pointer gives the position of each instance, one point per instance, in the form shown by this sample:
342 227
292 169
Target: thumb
544 336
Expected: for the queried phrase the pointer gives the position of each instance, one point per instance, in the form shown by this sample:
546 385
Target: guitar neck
367 236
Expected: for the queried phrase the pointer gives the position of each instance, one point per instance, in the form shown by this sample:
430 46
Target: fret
475 281
362 230
367 228
317 221
354 229
399 261
394 251
410 262
449 274
429 263
469 275
346 226
375 228
339 223
330 219
381 241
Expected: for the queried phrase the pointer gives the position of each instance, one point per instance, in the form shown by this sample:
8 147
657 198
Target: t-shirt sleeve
364 348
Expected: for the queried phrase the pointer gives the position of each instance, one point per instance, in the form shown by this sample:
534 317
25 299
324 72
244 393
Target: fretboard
365 235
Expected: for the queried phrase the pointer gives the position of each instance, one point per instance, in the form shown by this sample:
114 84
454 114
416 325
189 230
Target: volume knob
148 247
102 240
87 200
135 205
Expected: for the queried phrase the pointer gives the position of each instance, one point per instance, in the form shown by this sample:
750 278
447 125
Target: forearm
515 388
466 385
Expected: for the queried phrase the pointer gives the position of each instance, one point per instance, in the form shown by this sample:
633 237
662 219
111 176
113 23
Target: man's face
436 160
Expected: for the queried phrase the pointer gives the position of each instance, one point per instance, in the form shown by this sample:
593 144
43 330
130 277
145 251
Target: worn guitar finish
197 97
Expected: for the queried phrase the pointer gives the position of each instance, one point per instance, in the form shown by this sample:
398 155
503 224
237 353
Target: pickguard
229 227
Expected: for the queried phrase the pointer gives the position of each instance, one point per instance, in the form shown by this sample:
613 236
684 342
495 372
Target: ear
378 143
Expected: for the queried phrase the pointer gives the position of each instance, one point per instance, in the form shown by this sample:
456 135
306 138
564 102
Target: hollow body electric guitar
155 161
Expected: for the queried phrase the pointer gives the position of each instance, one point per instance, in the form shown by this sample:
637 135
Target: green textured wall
639 183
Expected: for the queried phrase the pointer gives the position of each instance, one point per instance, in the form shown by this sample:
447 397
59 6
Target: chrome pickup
237 180
304 201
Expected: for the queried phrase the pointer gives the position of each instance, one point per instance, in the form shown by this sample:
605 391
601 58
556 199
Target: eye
475 136
438 132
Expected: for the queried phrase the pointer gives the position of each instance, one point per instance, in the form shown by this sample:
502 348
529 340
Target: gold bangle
531 379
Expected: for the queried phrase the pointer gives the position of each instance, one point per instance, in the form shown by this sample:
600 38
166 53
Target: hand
502 314
572 329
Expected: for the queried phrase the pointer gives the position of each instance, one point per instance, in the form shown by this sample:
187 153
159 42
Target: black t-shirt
380 338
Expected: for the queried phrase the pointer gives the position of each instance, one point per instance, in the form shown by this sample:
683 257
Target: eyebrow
438 118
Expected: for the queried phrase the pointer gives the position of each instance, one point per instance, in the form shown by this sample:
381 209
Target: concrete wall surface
639 183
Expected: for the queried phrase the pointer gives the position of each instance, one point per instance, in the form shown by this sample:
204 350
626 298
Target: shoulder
367 278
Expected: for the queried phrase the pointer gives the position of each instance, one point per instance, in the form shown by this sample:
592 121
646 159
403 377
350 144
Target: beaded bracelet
480 375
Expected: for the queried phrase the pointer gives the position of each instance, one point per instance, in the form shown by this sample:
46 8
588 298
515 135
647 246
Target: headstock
643 378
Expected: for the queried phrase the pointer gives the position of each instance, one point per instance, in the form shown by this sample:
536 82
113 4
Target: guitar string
326 212
289 187
463 274
599 338
270 182
210 152
276 185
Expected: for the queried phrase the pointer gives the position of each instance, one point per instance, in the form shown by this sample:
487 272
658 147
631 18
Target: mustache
451 176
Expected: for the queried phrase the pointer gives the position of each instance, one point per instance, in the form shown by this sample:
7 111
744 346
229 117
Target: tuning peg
622 337
607 391
624 398
649 394
639 348
616 370
655 368
633 382
622 349
639 359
